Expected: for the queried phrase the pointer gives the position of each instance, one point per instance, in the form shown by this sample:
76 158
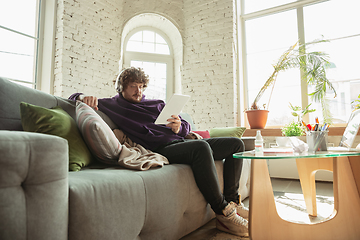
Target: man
135 116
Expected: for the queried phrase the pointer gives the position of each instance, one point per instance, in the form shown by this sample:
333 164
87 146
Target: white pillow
98 136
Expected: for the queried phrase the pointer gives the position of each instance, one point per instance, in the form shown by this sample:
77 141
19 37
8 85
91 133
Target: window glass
257 5
157 75
265 45
19 15
159 39
15 43
137 37
332 19
19 40
149 36
161 48
337 21
17 66
149 42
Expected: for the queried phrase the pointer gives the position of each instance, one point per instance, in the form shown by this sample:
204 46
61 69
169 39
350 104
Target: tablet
173 107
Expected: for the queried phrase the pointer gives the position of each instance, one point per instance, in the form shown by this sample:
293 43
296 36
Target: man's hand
89 100
175 123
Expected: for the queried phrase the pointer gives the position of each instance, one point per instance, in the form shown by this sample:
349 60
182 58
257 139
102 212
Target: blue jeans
200 155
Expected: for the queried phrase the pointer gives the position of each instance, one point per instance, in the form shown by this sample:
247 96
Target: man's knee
201 147
238 144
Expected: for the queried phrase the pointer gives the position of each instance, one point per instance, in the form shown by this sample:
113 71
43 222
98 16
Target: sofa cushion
106 203
227 132
57 122
98 136
204 134
160 203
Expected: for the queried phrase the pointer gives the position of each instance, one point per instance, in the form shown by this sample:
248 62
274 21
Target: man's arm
75 96
179 125
89 100
174 123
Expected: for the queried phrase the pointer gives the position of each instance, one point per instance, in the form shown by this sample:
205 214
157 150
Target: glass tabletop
270 153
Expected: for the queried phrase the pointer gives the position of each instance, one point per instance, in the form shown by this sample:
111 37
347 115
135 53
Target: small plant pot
257 118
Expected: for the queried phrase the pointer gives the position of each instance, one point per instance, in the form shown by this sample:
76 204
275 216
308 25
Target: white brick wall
87 47
208 62
171 9
88 42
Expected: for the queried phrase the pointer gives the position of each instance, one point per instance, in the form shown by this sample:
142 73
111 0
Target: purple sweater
136 120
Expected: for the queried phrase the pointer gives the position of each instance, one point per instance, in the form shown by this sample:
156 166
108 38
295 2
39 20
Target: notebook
350 133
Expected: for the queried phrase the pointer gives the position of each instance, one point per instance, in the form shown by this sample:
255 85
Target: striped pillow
97 134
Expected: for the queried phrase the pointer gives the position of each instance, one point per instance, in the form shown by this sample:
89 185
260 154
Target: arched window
149 49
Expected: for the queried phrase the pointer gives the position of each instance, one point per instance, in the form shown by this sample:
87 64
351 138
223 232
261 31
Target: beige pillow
97 134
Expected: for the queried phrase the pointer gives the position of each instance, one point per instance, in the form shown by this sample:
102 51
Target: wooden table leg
265 223
307 167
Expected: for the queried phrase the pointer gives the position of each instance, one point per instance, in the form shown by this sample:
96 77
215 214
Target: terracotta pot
257 118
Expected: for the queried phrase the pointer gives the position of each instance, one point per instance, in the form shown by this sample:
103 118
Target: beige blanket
135 156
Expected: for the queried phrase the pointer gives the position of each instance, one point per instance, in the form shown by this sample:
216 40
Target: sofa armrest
249 143
33 186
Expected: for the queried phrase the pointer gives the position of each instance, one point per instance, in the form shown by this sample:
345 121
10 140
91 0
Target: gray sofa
40 199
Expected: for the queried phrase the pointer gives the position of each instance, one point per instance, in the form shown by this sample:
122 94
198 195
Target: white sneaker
241 210
231 222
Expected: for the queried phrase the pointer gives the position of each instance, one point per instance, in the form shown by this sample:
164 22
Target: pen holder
317 140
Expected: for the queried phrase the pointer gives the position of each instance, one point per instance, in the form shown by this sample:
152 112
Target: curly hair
129 75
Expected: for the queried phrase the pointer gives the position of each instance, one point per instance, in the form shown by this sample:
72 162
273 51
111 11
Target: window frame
46 47
128 56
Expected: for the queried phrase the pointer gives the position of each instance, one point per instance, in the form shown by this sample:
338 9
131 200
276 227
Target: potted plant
290 130
293 129
312 64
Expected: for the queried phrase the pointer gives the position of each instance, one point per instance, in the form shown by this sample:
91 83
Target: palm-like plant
299 112
313 66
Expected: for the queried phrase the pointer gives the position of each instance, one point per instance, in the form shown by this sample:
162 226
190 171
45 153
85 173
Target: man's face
133 92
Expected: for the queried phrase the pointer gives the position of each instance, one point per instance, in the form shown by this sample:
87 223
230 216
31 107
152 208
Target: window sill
333 131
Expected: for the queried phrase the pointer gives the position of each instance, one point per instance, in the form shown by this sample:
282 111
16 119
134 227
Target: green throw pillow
227 132
57 122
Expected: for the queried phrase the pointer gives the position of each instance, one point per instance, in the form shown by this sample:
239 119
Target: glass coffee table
264 221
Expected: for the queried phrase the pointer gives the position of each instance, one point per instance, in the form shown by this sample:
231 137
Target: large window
27 42
271 27
149 50
19 31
